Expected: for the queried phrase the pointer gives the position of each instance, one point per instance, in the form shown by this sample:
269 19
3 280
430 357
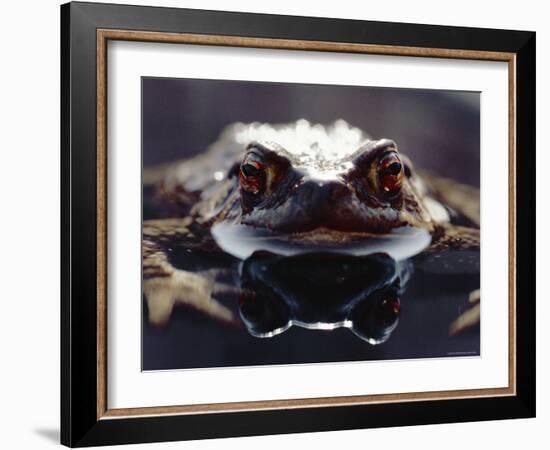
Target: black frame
79 423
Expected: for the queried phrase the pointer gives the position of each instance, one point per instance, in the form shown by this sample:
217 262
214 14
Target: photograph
289 223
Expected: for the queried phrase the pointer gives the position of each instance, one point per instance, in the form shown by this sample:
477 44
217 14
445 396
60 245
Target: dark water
399 311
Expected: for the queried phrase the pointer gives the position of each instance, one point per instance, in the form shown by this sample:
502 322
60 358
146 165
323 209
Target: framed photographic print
276 224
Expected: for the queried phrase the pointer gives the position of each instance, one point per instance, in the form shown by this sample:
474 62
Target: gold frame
103 36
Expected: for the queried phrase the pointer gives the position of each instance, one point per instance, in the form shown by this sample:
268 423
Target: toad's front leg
470 317
454 238
165 286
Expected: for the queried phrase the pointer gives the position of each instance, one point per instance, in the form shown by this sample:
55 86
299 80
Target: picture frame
86 29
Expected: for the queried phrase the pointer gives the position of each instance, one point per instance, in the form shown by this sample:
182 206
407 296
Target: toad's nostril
337 191
321 196
313 195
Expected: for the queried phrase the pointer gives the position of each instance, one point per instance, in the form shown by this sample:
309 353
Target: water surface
312 294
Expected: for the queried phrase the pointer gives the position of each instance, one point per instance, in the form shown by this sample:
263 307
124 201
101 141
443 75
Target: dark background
438 130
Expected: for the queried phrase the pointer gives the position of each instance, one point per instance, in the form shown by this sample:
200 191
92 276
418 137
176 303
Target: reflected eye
390 173
387 311
263 313
252 175
376 317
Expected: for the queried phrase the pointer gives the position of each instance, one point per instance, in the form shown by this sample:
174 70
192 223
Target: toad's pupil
393 169
250 170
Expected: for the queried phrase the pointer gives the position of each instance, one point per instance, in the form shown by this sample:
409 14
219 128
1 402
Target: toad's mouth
242 241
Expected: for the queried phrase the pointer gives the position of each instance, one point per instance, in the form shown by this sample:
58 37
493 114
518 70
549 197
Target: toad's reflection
322 291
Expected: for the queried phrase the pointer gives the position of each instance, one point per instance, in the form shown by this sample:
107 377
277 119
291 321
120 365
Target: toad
291 188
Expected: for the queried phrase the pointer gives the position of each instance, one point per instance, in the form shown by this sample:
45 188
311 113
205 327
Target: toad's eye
390 173
252 175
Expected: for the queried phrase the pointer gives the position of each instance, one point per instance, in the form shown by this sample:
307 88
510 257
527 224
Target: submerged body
326 186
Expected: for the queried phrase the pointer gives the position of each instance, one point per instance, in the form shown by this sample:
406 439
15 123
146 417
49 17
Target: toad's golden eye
390 173
252 175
